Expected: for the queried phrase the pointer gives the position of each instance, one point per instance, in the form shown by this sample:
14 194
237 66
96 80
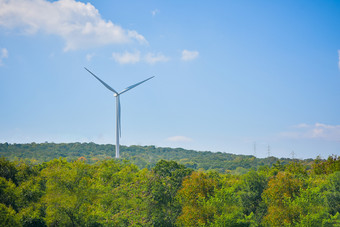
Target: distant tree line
114 192
142 156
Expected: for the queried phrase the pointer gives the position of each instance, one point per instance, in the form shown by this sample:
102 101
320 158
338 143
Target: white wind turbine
117 94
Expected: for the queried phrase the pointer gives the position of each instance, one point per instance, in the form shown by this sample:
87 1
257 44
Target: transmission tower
293 155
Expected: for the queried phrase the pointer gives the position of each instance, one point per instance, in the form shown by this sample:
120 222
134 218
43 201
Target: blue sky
229 74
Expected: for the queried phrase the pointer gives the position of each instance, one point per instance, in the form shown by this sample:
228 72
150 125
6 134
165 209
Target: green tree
8 170
30 192
166 179
332 193
225 204
311 203
8 216
69 196
8 193
251 188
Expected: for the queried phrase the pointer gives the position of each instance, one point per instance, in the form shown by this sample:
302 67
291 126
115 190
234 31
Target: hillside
142 156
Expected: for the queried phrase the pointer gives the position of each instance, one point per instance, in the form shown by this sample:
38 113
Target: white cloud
152 58
89 56
179 139
189 55
154 12
126 57
134 57
316 131
79 24
3 55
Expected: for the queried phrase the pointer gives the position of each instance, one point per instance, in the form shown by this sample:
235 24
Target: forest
142 156
110 192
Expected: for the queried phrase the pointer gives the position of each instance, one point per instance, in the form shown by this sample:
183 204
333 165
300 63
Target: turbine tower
117 94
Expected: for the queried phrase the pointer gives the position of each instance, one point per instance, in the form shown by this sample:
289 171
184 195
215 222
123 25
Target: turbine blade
135 85
107 86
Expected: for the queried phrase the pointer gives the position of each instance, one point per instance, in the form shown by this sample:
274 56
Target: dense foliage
142 156
118 193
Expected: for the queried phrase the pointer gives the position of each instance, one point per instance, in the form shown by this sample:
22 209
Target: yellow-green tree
8 216
331 165
122 194
279 197
195 190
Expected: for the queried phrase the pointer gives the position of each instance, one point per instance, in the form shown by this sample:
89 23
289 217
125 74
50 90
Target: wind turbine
117 94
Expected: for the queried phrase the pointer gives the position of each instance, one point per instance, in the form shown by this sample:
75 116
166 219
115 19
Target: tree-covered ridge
142 156
117 193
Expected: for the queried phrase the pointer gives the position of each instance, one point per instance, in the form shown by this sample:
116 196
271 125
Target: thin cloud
302 125
3 55
179 139
152 58
89 56
126 57
189 55
79 24
316 131
154 12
